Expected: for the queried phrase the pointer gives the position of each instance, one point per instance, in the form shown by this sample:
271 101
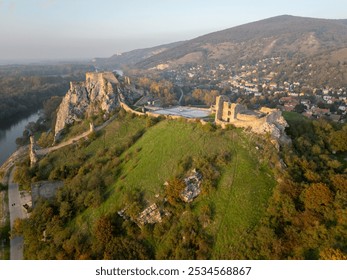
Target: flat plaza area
186 112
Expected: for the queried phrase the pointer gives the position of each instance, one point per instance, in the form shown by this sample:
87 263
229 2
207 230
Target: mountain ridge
133 56
295 39
286 33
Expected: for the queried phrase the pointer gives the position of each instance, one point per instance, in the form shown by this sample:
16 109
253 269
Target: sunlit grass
238 201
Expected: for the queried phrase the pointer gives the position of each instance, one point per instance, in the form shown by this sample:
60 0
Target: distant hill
322 42
283 35
132 57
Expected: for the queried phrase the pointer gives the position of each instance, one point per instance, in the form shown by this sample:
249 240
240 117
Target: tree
103 229
155 88
338 140
65 210
339 182
332 254
210 97
173 191
198 94
2 187
134 203
125 248
300 108
317 195
144 82
22 176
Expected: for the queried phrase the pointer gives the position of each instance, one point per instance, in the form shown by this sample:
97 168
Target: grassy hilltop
127 164
250 207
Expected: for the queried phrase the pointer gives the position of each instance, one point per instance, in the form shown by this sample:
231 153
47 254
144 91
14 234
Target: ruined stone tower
262 121
32 151
91 127
226 111
219 106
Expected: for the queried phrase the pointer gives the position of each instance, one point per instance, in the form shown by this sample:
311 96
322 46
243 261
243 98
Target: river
9 133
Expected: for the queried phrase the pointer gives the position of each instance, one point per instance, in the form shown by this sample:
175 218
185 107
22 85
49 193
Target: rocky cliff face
274 124
98 92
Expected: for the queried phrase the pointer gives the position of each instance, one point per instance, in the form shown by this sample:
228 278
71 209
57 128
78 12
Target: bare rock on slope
98 92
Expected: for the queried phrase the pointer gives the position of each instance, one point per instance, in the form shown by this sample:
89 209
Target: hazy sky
66 29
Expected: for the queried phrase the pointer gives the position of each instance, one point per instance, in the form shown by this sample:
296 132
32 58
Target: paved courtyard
186 112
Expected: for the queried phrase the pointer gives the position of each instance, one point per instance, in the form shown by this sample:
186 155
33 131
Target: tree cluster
306 215
23 88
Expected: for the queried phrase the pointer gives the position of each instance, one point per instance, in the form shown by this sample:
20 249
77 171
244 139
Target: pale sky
77 29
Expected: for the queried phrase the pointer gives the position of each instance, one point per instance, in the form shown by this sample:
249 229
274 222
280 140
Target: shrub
3 187
209 127
46 139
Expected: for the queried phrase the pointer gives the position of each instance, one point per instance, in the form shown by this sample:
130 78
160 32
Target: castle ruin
262 121
32 151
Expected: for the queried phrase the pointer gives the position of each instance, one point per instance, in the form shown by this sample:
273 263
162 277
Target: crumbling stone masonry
192 189
263 121
150 215
32 151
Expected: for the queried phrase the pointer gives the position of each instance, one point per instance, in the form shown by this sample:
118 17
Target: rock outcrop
97 93
193 186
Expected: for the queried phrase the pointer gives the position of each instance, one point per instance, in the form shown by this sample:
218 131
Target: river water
9 133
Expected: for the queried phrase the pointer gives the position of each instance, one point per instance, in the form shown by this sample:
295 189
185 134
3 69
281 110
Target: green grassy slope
241 194
238 200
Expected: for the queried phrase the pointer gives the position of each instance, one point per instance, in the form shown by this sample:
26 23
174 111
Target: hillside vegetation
126 167
252 205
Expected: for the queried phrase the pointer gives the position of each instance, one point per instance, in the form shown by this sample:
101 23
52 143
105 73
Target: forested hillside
306 217
23 88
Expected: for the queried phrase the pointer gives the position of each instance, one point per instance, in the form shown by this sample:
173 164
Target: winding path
182 95
42 152
45 151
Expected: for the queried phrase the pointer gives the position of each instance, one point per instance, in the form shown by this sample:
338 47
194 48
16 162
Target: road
16 211
182 94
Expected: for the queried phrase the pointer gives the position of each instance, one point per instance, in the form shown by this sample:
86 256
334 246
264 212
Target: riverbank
5 168
11 132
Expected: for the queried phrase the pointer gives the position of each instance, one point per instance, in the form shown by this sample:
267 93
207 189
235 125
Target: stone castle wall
264 121
226 111
99 77
220 100
248 116
129 110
